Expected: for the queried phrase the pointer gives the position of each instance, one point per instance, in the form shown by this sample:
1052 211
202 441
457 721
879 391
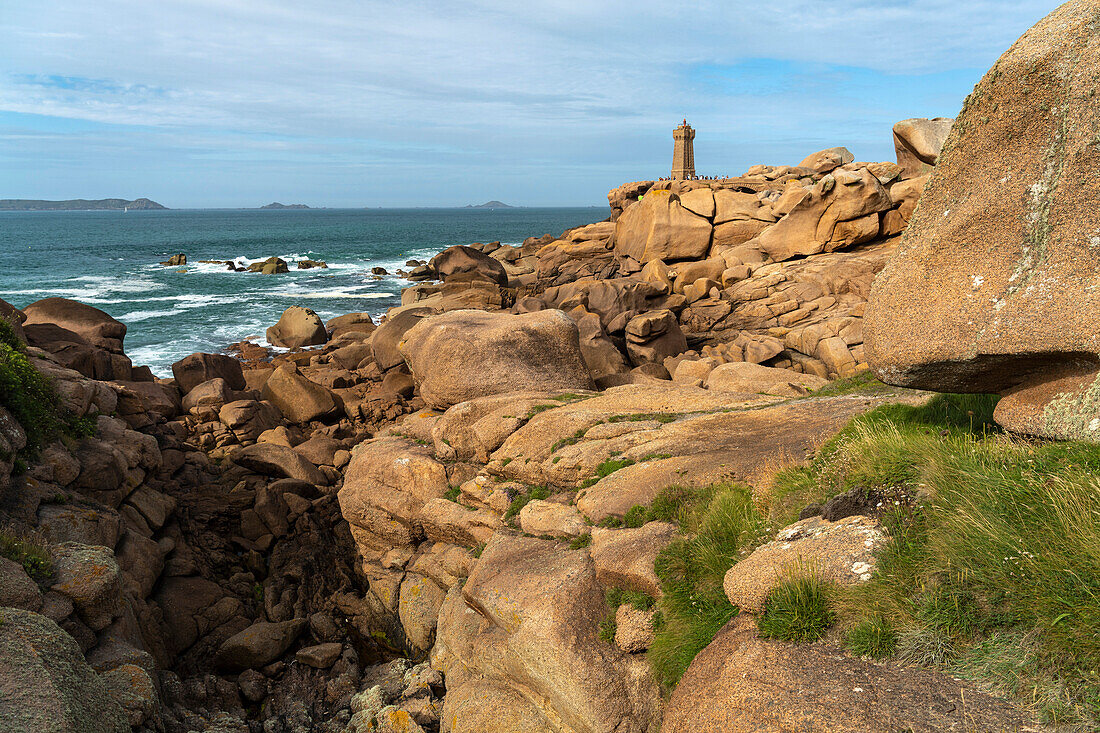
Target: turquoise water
110 260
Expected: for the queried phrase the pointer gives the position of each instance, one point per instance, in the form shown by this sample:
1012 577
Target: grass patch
535 492
28 551
30 398
797 610
717 523
863 383
661 417
452 494
636 599
992 568
578 543
612 465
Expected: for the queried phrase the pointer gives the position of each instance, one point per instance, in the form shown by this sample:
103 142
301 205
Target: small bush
796 610
717 522
30 398
579 543
636 599
28 551
874 638
608 628
453 493
535 492
612 465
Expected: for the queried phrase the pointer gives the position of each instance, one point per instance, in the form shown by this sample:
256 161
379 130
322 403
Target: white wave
331 294
135 316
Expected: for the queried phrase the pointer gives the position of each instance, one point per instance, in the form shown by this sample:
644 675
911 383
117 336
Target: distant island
490 205
277 205
80 205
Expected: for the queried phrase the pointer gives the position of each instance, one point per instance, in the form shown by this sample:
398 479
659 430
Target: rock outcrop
992 285
297 327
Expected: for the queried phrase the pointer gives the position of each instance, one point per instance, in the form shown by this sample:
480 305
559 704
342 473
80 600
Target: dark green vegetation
992 568
534 492
718 523
31 399
796 610
29 552
77 205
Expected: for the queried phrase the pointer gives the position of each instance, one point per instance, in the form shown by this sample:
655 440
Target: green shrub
534 492
8 337
30 398
874 638
452 493
612 465
28 551
636 599
718 522
797 610
608 628
581 542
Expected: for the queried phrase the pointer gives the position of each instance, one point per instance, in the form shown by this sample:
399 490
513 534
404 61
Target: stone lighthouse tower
683 153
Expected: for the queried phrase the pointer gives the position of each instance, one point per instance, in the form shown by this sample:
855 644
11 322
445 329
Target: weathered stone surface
465 354
624 557
465 264
918 143
742 376
17 590
193 370
553 519
525 625
249 419
653 337
133 689
840 552
659 228
743 684
993 288
91 324
45 684
320 656
257 646
634 630
269 459
824 161
297 326
418 608
299 399
90 577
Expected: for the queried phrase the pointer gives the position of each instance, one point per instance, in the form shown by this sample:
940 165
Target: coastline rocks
14 318
466 264
297 327
659 227
465 354
270 459
193 370
299 399
741 683
653 337
827 160
175 260
91 324
993 288
523 633
918 143
840 552
390 332
90 577
257 646
744 376
45 684
270 266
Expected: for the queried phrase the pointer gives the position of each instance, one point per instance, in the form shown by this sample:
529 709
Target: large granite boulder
257 646
464 354
659 227
390 332
466 264
523 632
918 143
45 684
994 286
297 326
193 370
92 324
298 398
741 683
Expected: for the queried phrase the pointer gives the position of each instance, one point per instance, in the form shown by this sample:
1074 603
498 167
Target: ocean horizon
111 260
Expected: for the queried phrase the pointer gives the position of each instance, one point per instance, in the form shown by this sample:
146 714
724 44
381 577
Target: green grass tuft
636 599
797 610
30 552
717 523
873 637
534 492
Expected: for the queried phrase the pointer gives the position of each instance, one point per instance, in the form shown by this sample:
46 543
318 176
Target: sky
226 103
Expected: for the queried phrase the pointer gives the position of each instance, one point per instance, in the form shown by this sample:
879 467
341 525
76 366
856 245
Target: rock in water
994 286
297 326
464 354
45 684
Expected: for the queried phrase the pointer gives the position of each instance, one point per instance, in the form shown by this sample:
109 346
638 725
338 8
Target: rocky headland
141 204
636 477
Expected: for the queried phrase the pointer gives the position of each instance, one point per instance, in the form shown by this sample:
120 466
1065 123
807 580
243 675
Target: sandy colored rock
269 459
465 264
841 552
391 332
992 289
633 629
299 399
297 326
93 325
553 519
918 143
824 161
746 377
45 684
624 557
743 684
418 607
250 419
532 351
658 227
526 621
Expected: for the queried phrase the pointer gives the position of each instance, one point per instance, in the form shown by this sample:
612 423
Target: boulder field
435 521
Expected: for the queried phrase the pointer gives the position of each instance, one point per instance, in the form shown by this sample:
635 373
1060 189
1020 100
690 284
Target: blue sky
208 103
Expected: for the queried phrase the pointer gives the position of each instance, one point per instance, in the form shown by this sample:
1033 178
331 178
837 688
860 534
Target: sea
111 260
